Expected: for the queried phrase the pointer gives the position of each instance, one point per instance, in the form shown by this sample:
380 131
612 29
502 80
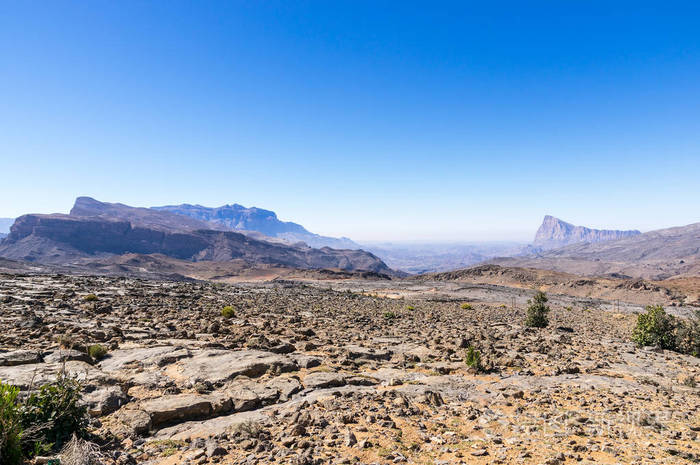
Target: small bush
537 311
10 426
228 312
97 351
90 298
473 359
655 328
466 306
688 336
658 328
51 416
389 315
410 307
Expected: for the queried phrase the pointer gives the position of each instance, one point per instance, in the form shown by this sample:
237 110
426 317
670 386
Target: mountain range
656 254
555 233
239 218
114 236
97 230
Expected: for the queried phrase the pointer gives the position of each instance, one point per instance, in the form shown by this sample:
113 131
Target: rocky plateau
352 371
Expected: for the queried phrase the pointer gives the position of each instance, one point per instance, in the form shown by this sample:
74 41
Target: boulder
322 379
19 357
177 408
219 366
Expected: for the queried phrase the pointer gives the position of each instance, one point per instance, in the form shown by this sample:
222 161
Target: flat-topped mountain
554 233
239 218
144 217
95 230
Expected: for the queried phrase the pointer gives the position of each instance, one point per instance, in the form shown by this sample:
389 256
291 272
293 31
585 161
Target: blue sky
374 120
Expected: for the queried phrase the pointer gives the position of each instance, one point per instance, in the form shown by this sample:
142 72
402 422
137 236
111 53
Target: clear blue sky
373 120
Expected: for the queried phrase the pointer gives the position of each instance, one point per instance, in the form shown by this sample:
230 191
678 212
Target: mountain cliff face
554 233
656 254
96 229
240 218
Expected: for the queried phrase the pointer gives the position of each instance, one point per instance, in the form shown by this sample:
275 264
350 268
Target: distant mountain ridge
656 254
555 233
95 230
239 218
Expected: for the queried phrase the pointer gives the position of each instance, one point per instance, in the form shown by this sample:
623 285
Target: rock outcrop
554 233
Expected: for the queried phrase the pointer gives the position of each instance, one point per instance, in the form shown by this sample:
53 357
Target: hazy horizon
487 236
373 121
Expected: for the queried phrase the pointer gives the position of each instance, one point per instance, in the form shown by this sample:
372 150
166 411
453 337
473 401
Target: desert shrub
537 311
473 359
90 298
228 312
10 426
97 351
658 328
389 315
688 335
466 306
655 328
410 307
52 415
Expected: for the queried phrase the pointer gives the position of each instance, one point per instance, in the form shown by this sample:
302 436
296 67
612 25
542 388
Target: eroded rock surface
303 374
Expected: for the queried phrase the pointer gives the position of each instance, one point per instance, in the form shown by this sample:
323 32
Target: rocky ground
356 373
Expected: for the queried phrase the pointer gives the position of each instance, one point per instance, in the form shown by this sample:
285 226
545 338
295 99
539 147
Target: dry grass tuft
80 452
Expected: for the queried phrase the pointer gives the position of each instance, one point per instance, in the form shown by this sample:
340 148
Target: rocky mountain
655 255
239 218
554 233
95 230
145 217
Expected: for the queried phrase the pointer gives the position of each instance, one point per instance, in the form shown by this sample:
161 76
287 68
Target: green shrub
655 328
473 359
10 426
688 336
537 311
97 351
658 328
466 306
389 315
228 312
52 415
90 298
410 307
